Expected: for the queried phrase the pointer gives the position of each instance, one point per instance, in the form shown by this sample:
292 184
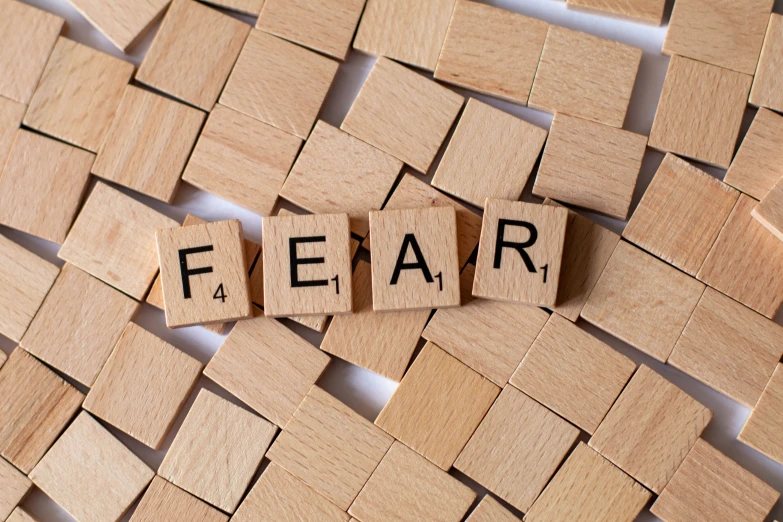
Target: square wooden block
490 510
11 114
92 475
113 239
589 488
193 53
492 51
574 165
165 501
520 252
681 214
414 258
517 448
744 261
122 22
42 185
401 112
711 486
650 429
719 32
491 337
217 451
382 342
643 11
336 172
14 487
407 488
700 111
758 164
770 211
490 155
643 301
763 431
63 108
767 90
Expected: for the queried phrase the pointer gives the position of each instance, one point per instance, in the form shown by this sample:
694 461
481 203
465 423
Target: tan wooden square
14 487
517 448
574 165
42 185
11 114
217 451
20 515
700 111
113 239
123 22
249 7
770 211
643 11
407 488
401 112
63 108
492 51
520 252
193 53
643 301
490 510
490 155
758 164
681 214
164 501
767 90
585 76
763 431
92 475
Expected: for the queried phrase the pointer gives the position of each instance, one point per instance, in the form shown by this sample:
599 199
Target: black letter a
420 264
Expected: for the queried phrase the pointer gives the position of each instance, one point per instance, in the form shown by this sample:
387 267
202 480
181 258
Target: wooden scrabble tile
722 32
770 211
520 252
330 448
711 486
122 22
650 429
217 451
517 448
491 337
26 279
164 501
20 515
336 172
585 76
11 114
588 487
767 90
744 261
490 155
407 488
644 11
13 488
758 164
193 53
700 111
492 51
437 406
113 239
42 185
643 301
382 342
574 165
92 475
28 37
401 112
63 108
404 30
414 258
490 510
681 214
762 430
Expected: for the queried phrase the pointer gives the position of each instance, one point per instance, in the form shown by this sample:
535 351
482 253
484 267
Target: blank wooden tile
402 113
490 155
217 451
382 342
123 22
681 214
407 488
589 488
63 108
42 185
719 32
92 475
491 337
644 11
20 515
193 53
762 430
711 486
339 173
770 211
492 51
490 510
11 114
517 448
113 239
744 262
700 111
574 165
28 37
520 252
164 501
758 164
650 429
13 488
766 90
643 301
249 7
228 162
586 76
